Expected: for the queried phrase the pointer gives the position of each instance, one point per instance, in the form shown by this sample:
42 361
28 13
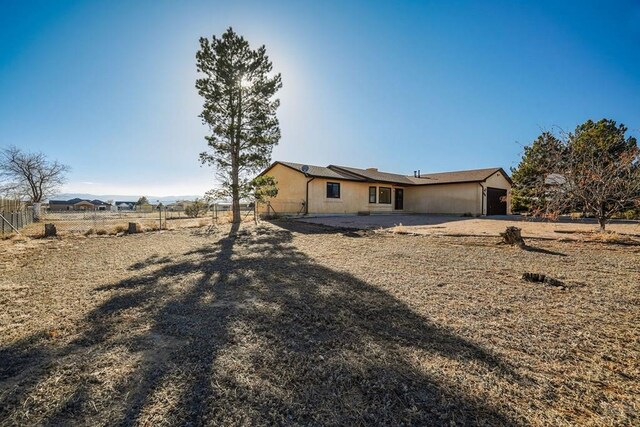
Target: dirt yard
565 229
298 324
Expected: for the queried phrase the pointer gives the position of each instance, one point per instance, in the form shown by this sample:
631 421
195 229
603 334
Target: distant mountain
114 197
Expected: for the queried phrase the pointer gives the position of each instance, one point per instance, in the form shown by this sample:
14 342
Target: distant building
78 205
125 206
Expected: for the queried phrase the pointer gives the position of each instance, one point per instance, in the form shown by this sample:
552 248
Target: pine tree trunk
235 160
235 193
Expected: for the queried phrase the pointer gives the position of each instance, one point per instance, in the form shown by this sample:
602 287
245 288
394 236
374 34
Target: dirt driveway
483 226
297 324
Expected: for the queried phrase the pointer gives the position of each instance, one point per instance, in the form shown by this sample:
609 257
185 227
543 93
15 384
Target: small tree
595 169
196 208
30 175
142 201
265 187
240 110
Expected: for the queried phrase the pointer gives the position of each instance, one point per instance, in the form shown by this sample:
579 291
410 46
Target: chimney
415 174
418 173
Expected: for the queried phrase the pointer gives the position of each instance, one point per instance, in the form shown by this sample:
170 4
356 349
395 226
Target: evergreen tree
532 170
239 107
595 170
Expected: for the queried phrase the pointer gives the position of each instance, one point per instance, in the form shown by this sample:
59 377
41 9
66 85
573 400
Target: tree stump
50 230
513 236
133 228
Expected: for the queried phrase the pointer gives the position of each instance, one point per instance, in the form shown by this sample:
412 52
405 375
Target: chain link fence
103 222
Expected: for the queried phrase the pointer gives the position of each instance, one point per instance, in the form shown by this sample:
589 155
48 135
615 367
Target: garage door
496 201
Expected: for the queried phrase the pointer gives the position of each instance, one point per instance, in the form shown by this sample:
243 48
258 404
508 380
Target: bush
196 209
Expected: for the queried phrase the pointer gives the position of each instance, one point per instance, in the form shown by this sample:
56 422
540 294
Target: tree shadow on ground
249 330
529 248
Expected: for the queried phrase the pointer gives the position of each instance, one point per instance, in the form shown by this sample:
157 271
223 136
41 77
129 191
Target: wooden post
50 230
133 228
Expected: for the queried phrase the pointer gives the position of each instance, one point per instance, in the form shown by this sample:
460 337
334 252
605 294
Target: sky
107 87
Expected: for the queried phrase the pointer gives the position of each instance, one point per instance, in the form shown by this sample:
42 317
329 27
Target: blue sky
108 86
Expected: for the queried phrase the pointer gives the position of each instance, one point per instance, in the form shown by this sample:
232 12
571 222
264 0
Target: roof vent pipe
415 174
418 173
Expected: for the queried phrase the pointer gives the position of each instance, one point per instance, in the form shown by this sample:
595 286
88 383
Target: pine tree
532 170
239 107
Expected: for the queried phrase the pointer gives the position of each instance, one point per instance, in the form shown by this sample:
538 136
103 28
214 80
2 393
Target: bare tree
595 170
30 175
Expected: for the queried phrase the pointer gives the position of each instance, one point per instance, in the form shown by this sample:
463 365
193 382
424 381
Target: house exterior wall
445 199
60 207
457 198
354 197
497 180
292 188
292 192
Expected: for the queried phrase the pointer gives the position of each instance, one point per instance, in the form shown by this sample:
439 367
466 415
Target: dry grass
301 325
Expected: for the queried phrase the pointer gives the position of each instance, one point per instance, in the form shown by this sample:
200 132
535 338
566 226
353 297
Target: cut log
541 278
513 236
50 230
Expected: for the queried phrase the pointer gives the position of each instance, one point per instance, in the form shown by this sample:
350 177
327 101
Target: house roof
318 171
77 200
374 175
474 175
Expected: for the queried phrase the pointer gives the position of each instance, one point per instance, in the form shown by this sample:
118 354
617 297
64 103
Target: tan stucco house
317 190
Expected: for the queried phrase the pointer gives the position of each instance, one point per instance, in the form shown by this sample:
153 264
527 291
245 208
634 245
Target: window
384 195
333 190
372 194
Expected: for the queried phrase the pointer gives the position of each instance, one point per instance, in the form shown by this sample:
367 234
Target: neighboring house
78 205
125 206
305 189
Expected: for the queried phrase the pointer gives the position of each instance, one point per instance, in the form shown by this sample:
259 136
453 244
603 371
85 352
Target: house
78 205
124 205
306 189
